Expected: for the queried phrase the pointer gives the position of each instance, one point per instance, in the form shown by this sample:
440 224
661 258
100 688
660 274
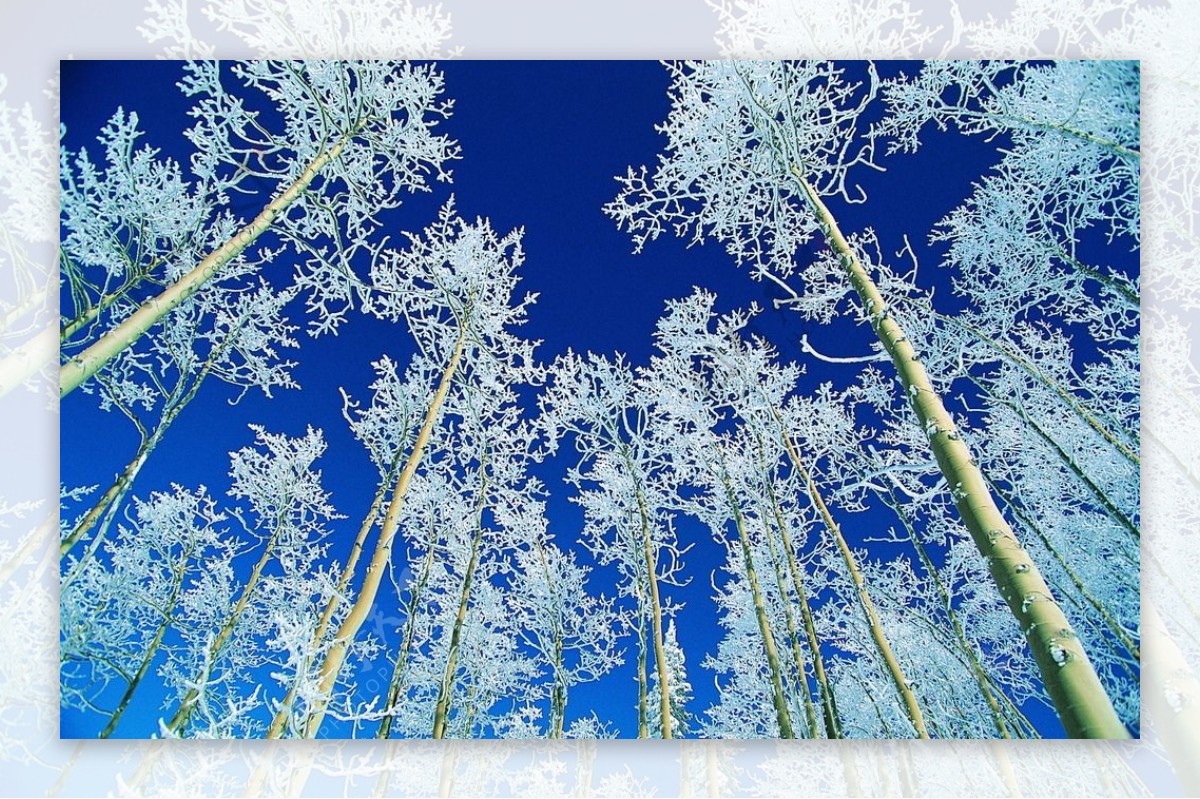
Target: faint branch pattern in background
1163 35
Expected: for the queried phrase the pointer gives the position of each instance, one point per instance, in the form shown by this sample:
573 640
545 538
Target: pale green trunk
1080 699
441 713
397 683
782 713
79 368
283 716
151 651
331 666
25 551
891 664
187 705
964 644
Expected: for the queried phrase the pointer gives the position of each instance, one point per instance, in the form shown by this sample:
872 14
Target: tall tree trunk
187 705
643 693
410 625
35 301
833 723
183 393
151 651
558 693
89 315
788 615
782 713
25 551
441 712
1173 701
660 657
331 666
712 772
110 500
964 643
79 368
793 631
283 715
1080 699
878 635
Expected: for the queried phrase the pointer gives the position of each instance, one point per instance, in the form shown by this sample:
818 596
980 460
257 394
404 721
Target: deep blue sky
541 143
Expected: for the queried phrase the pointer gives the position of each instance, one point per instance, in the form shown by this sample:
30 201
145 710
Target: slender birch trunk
643 694
1004 767
977 670
558 693
283 716
788 615
850 771
685 772
833 723
441 712
864 595
964 643
712 772
874 623
782 713
68 330
32 302
187 705
106 507
1173 701
79 368
151 651
1082 704
331 666
660 657
109 501
789 618
397 683
25 551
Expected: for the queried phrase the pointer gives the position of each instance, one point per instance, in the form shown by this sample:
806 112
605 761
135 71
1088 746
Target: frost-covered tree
1049 340
680 688
491 449
231 333
572 631
707 460
347 141
387 428
470 508
115 615
229 622
361 28
453 286
627 486
713 371
27 146
752 148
